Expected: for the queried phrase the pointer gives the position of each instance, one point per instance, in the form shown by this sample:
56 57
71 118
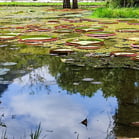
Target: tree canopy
123 3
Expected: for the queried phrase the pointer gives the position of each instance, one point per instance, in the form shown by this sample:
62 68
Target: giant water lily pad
87 79
124 53
135 45
133 38
37 38
64 26
63 31
3 45
4 71
88 29
7 37
128 30
84 42
100 34
8 64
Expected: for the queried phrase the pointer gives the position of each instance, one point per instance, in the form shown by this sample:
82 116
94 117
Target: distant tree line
123 3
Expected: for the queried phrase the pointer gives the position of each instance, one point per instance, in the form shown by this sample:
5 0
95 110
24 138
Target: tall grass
116 13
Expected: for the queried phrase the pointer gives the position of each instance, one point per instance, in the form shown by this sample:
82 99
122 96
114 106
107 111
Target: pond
71 93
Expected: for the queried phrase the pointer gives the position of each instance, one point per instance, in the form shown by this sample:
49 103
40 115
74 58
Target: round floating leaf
88 29
133 39
87 79
37 38
96 82
7 37
3 45
8 64
76 83
84 42
100 34
135 45
123 53
65 26
127 30
4 71
63 31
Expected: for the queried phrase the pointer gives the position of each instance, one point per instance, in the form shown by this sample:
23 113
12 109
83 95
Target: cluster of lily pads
66 32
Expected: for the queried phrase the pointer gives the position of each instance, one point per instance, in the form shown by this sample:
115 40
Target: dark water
70 102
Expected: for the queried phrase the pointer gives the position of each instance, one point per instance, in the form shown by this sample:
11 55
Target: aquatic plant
37 133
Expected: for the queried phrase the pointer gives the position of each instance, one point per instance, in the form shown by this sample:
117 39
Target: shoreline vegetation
49 3
105 12
101 12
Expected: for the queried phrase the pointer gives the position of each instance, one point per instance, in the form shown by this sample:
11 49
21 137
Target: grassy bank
47 3
116 13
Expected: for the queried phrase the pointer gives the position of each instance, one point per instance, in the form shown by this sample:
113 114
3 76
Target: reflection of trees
128 99
121 83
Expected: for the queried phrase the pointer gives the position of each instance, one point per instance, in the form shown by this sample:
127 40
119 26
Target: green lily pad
84 42
100 34
123 54
96 82
8 64
133 38
127 30
37 38
88 29
87 79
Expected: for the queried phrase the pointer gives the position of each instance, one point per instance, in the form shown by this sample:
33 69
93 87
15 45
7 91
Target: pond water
68 101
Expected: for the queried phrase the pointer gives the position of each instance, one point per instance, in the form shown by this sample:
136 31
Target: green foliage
122 3
116 13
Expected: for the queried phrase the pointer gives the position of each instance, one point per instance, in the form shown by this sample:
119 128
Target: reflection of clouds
40 75
59 112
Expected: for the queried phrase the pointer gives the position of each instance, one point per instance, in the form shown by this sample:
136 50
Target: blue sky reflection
35 98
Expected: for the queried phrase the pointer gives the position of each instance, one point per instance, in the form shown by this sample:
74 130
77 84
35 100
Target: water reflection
36 97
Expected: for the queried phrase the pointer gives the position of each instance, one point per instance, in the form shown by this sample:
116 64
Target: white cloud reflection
58 112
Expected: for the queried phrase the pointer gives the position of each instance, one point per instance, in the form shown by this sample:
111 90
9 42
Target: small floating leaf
88 79
96 82
8 64
4 71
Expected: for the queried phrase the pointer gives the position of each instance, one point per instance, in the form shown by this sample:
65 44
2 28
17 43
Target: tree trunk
66 4
75 4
